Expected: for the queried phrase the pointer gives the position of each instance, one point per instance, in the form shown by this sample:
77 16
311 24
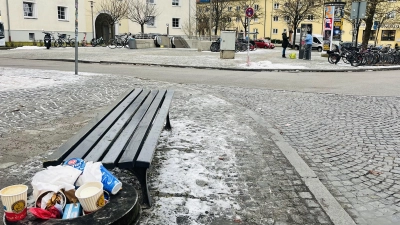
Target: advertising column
333 24
328 27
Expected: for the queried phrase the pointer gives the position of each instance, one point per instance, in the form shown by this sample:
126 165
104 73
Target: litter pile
66 191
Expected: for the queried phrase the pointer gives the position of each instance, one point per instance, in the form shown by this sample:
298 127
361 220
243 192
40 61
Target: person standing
285 43
309 41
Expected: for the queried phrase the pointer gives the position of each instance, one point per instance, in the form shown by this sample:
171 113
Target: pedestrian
285 43
309 41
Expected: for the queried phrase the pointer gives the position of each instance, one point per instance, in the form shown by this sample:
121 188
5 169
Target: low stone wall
145 43
200 45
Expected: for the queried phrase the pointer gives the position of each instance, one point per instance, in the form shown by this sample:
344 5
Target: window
284 30
274 31
388 35
29 9
276 18
310 17
237 8
175 22
255 32
229 19
391 14
151 21
286 18
230 8
62 13
151 1
256 7
237 20
175 2
31 36
276 5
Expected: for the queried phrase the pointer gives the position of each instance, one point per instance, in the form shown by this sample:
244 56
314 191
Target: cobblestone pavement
351 142
261 58
266 187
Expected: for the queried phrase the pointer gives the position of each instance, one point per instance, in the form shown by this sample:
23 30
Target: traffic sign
249 12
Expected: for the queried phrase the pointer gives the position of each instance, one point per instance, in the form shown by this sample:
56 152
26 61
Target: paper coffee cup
110 182
91 196
14 199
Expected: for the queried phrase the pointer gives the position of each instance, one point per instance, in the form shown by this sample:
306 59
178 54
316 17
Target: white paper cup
14 199
91 197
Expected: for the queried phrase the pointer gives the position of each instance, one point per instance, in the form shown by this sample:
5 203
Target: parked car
264 43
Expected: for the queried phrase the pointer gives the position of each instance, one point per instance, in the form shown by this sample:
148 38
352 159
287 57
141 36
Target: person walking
285 43
309 41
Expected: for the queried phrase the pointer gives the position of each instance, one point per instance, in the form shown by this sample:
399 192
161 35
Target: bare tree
219 14
240 7
189 26
385 14
296 11
142 12
202 18
116 9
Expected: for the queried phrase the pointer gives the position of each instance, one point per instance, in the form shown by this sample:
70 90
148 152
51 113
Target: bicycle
60 42
99 41
215 46
70 41
120 41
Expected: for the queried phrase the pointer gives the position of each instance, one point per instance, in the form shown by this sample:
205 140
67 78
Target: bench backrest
124 136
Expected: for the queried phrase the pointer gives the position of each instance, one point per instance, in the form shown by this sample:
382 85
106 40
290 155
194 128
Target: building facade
269 25
24 20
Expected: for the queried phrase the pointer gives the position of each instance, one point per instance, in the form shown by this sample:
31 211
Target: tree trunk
368 24
142 28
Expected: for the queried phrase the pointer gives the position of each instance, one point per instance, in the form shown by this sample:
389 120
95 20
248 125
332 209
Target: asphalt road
373 83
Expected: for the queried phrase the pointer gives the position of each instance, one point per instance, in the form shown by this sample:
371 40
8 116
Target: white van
317 42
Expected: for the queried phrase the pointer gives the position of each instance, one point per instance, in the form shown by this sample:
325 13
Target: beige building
27 19
271 26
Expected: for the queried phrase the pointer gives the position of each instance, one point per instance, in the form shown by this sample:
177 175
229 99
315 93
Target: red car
265 43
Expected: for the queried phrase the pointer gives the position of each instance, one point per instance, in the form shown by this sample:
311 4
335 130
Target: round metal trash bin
132 43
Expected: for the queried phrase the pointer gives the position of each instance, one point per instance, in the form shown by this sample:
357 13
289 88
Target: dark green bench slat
86 145
146 154
110 159
128 157
59 155
108 139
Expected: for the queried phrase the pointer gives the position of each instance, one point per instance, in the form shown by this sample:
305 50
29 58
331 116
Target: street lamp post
91 6
168 34
211 9
8 23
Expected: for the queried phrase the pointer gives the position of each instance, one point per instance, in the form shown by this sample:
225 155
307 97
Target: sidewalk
259 60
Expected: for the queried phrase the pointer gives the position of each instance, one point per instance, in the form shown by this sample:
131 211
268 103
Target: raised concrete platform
123 209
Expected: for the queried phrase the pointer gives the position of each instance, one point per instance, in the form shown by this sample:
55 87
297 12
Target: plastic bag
90 173
54 178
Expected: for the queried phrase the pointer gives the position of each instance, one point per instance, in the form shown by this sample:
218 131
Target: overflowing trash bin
67 191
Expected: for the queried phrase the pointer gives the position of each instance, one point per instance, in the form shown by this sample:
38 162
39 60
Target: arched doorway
103 27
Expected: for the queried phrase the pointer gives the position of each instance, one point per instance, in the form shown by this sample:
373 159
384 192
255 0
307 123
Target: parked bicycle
70 41
99 41
216 45
120 41
60 42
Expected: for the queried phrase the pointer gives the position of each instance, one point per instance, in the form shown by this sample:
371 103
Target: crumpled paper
54 178
91 173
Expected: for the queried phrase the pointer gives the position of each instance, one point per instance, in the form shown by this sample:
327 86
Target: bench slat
110 159
59 155
138 138
108 139
146 154
87 144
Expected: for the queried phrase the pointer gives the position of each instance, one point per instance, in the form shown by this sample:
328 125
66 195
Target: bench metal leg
141 175
168 124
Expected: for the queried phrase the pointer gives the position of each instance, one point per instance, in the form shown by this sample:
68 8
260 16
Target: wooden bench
125 136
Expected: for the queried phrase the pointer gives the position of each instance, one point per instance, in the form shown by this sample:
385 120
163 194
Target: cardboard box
72 211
